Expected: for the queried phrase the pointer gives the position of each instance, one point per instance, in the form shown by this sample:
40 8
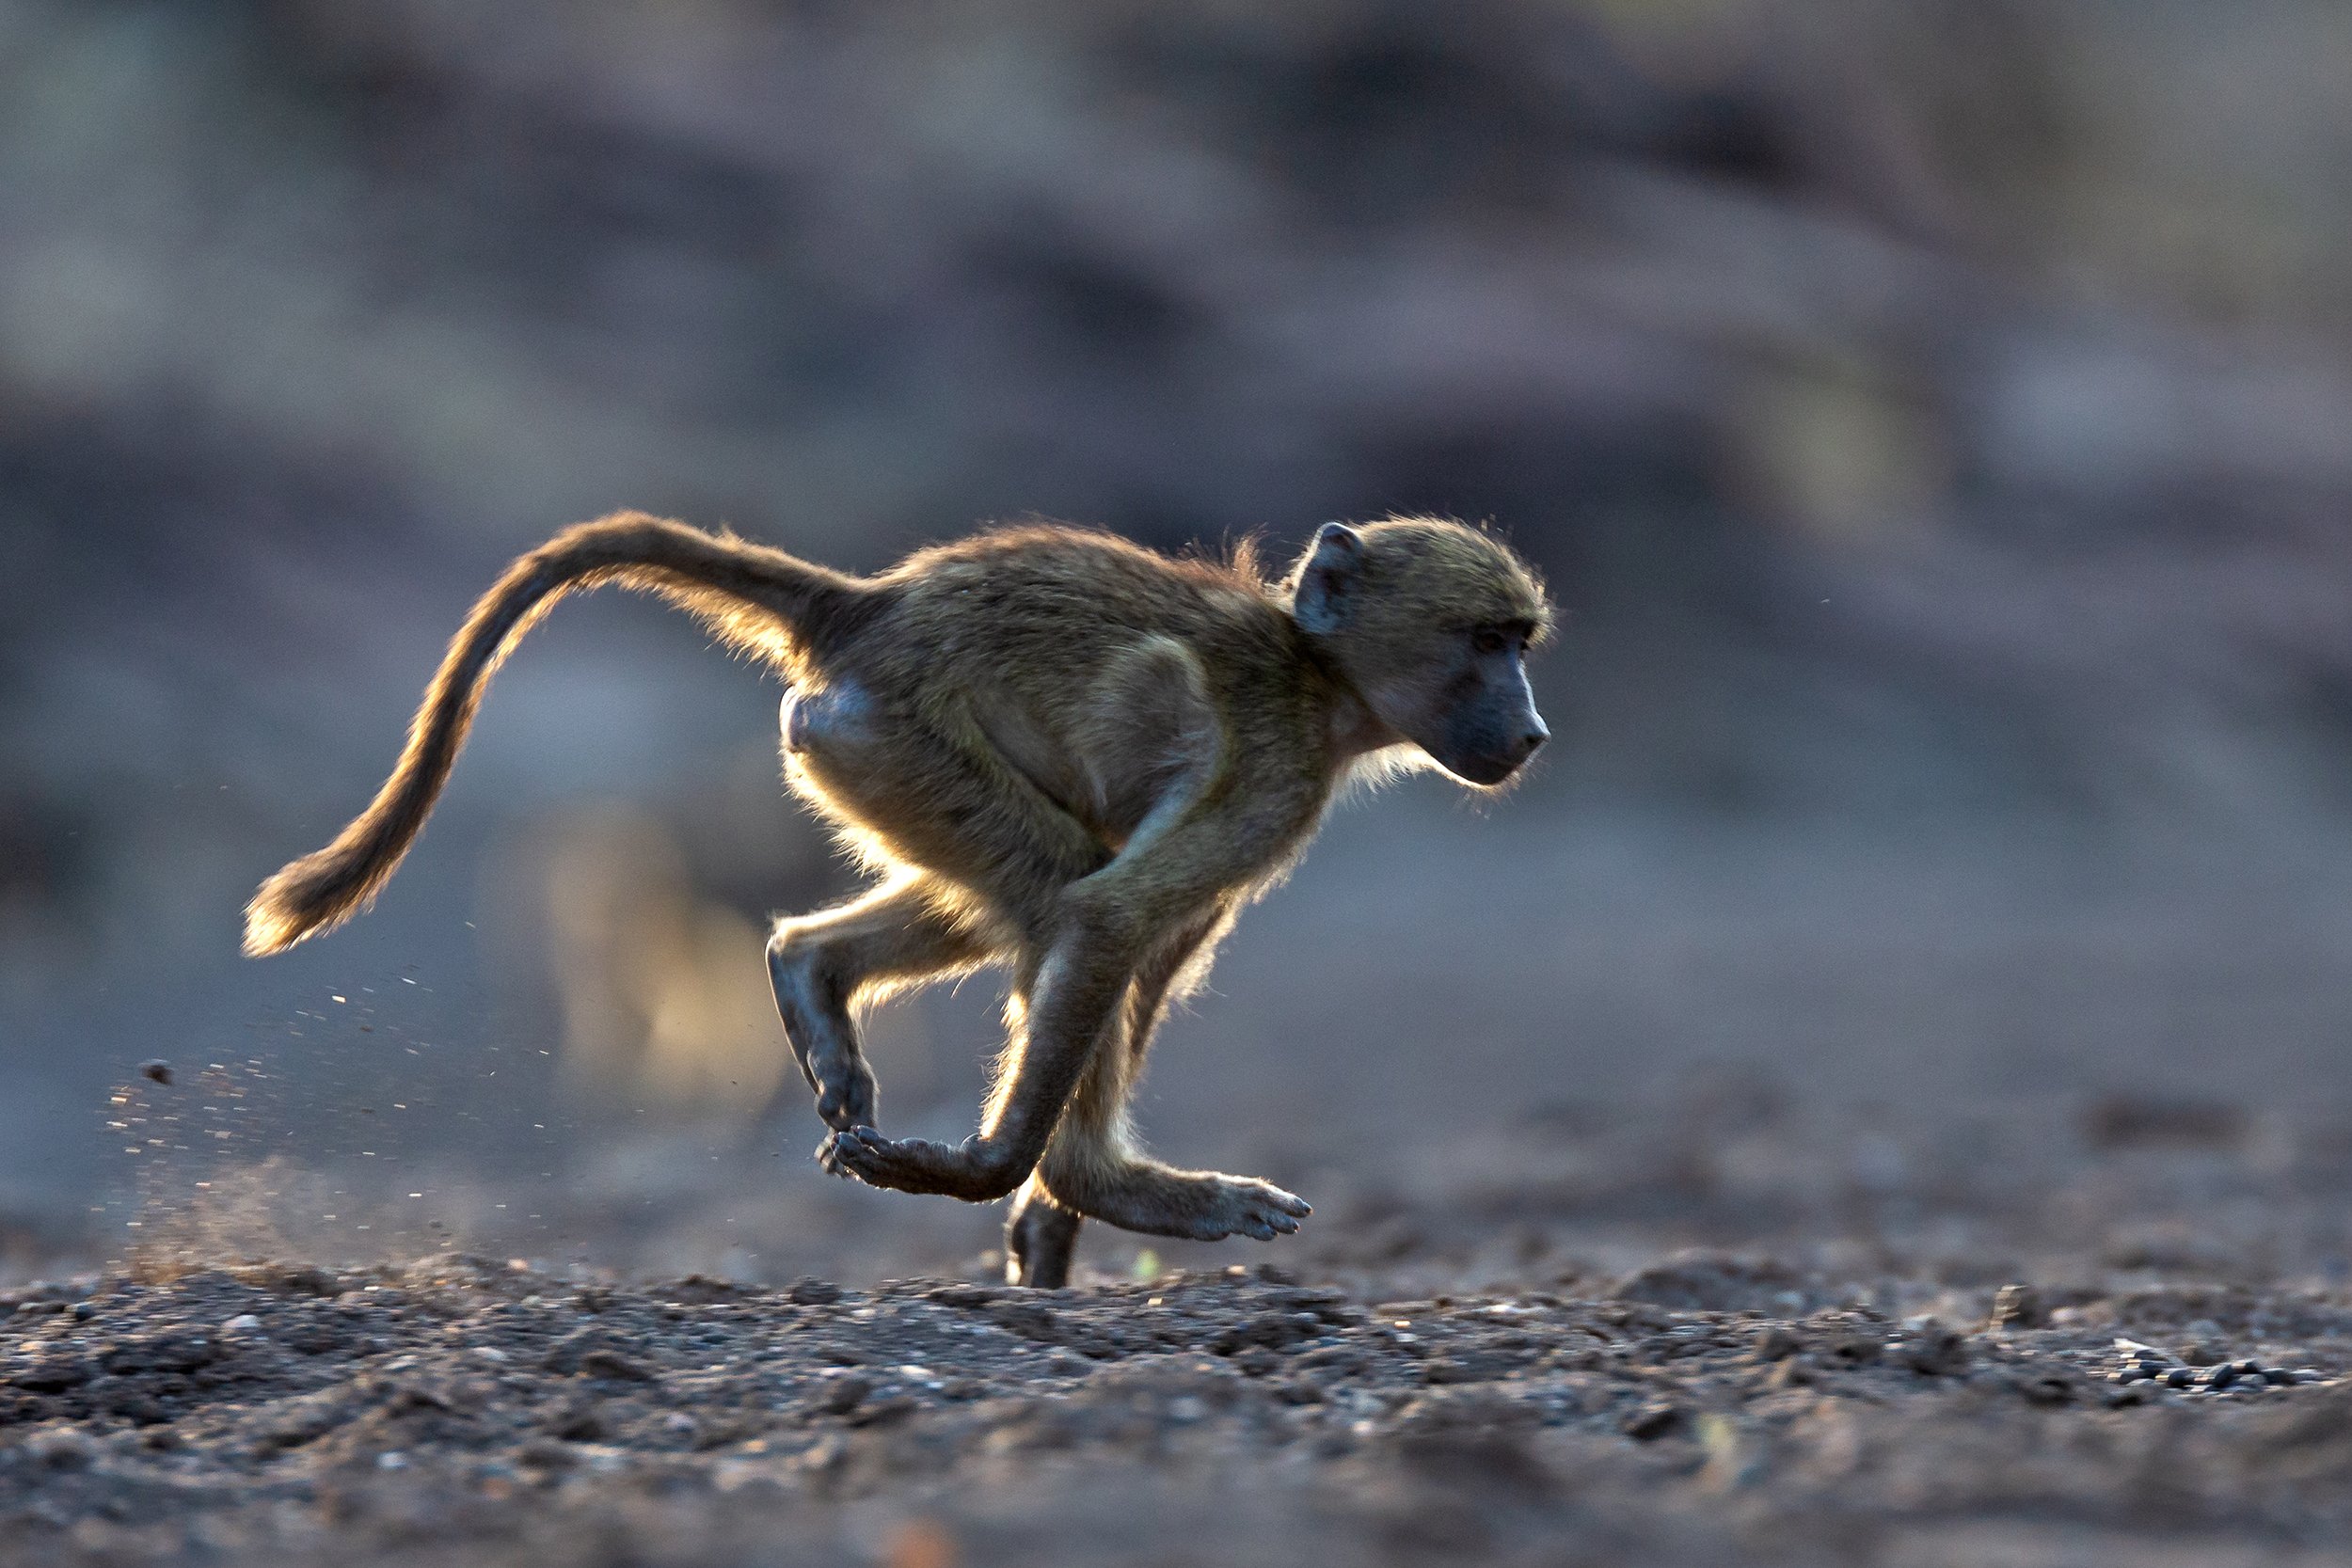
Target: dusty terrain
1620 1305
1836 1403
1932 422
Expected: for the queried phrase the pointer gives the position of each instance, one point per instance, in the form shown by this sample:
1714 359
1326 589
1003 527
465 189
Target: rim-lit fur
1060 751
754 599
1432 572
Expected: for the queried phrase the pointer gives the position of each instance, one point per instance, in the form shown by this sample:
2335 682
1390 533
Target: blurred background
1935 419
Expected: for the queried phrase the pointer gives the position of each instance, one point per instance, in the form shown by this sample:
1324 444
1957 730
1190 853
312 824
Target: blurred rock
2128 1120
1712 1282
2019 1307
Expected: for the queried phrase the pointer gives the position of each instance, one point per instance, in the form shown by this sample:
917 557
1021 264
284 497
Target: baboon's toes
1258 1210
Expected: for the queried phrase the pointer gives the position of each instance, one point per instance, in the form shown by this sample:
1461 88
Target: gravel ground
1708 1408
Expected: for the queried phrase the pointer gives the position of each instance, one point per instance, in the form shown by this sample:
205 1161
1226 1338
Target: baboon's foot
973 1170
846 1097
1198 1205
1039 1240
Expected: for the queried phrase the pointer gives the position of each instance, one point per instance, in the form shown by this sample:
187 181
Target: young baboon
1058 751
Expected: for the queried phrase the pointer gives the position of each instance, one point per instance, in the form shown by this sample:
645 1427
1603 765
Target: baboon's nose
1537 733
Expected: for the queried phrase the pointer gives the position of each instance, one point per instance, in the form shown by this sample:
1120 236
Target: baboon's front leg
1173 877
820 963
1072 994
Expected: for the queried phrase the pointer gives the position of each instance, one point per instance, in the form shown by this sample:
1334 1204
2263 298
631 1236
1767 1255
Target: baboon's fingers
829 1157
896 1164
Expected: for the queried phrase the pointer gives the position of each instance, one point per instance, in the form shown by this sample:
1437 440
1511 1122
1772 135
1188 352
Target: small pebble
838 1396
244 1323
1651 1422
1934 1350
395 1460
2227 1373
578 1423
2018 1306
158 1070
62 1449
613 1365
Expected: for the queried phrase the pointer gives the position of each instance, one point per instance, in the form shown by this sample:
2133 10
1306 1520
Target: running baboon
1059 751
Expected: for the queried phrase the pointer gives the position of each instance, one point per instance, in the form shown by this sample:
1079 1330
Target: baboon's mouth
1489 769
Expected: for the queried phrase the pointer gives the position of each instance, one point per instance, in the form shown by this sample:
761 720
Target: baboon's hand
973 1170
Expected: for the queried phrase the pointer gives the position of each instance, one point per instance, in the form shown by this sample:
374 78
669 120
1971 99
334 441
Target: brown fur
1061 752
754 599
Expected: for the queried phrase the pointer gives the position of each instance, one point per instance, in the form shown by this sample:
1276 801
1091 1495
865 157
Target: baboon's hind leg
1040 1237
820 965
1092 1166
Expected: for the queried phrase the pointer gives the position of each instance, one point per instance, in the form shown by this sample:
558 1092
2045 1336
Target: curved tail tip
268 930
279 917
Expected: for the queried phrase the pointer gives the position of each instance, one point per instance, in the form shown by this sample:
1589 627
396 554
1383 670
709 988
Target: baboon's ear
1327 589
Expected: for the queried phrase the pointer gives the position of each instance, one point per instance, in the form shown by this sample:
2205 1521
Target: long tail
756 598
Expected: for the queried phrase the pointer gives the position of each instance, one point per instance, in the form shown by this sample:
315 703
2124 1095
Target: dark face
1481 722
1458 691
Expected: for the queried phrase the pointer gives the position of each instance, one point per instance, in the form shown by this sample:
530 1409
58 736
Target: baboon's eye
1489 640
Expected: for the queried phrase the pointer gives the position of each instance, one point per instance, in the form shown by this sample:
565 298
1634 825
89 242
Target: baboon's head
1429 622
